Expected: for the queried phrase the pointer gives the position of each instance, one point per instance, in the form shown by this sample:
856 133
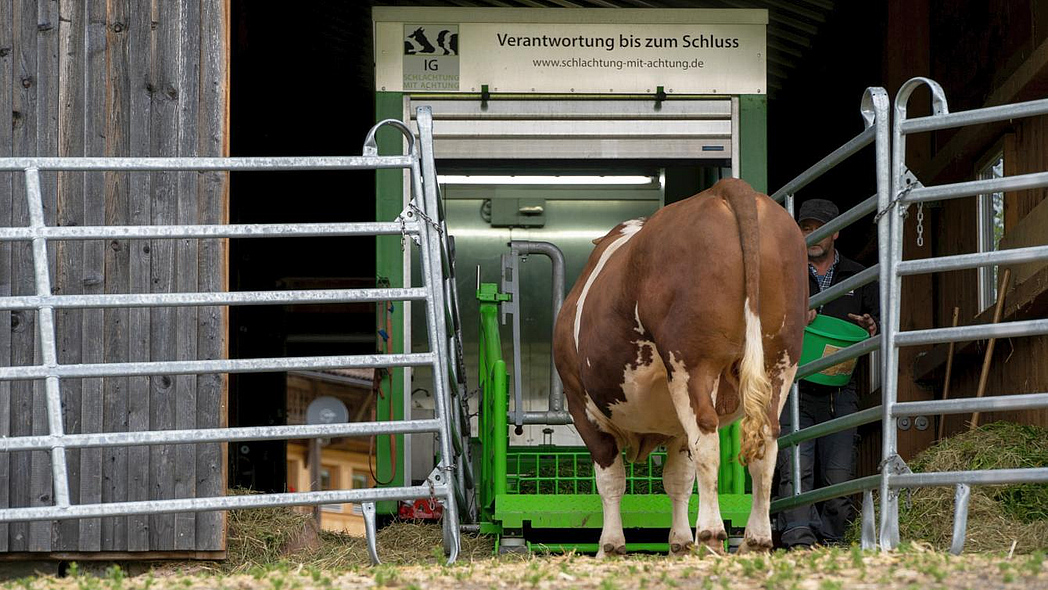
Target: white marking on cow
611 484
636 313
647 407
678 478
705 448
754 352
588 363
629 228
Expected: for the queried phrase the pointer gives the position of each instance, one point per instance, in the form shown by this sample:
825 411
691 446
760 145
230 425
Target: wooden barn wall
116 78
1005 49
1018 364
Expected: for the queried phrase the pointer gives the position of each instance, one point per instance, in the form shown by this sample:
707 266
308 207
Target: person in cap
830 459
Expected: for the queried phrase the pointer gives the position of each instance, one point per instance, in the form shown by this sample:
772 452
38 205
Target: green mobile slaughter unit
536 111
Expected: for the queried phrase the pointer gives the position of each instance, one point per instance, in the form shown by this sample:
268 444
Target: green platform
639 511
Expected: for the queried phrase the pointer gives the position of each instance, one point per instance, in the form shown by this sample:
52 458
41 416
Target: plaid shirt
827 279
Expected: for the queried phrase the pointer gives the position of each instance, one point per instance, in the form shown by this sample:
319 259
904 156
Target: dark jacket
859 301
865 299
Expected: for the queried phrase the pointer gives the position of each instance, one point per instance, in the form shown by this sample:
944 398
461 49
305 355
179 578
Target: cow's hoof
755 545
611 550
712 540
681 548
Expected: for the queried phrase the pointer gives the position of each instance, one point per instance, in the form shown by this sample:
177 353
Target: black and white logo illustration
431 57
431 40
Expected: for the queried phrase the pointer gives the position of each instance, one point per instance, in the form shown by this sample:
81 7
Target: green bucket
825 336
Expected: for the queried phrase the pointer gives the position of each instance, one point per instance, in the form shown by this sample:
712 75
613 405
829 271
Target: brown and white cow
679 325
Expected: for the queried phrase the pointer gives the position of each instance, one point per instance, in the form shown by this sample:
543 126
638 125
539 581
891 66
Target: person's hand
811 315
865 321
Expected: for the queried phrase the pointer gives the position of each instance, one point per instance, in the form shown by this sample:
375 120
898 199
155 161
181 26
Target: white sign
577 57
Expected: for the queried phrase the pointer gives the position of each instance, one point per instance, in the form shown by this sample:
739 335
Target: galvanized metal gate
422 221
897 190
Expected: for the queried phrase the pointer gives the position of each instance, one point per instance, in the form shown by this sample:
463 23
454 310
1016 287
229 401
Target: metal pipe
245 230
975 260
971 188
552 418
846 354
821 429
48 347
425 178
356 496
864 277
260 365
157 437
795 455
827 163
223 298
960 517
371 146
843 220
978 332
985 477
890 254
869 526
267 164
997 403
367 510
975 116
795 404
556 257
829 492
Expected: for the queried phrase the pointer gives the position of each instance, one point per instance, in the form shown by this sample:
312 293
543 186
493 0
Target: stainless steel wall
573 218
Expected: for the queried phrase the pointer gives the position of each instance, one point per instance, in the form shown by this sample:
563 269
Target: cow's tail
754 385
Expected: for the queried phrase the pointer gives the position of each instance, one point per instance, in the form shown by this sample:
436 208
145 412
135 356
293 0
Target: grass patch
266 538
997 515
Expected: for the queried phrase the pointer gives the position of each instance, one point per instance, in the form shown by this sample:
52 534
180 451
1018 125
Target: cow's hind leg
609 471
678 478
611 484
692 391
758 527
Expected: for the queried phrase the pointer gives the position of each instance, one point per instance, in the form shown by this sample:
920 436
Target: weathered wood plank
112 532
211 389
188 64
141 82
6 149
108 35
163 338
23 323
69 275
118 556
42 491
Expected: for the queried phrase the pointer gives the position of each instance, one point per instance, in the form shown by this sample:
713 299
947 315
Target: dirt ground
913 567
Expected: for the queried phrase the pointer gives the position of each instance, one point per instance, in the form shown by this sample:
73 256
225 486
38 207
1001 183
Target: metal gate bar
223 503
245 230
421 221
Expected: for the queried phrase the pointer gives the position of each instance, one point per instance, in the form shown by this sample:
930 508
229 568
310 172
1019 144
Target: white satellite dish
327 410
